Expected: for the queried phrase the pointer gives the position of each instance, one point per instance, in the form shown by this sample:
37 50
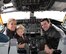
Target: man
51 36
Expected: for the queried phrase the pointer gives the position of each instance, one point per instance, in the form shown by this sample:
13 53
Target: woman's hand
21 45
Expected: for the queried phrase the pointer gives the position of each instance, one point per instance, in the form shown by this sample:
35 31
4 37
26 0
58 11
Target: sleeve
3 38
59 30
26 39
53 41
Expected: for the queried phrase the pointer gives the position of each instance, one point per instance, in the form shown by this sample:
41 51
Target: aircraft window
1 28
64 24
57 15
16 15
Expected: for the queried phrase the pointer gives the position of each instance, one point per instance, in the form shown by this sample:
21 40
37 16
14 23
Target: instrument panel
32 25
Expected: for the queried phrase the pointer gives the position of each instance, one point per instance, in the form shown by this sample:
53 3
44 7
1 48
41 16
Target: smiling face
45 25
11 25
20 32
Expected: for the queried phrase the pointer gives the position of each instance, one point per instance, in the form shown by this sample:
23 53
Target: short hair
46 19
20 26
11 19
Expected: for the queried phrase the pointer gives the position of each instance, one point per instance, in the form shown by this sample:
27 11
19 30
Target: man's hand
51 51
48 50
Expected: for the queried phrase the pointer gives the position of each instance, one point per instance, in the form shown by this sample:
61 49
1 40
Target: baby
21 38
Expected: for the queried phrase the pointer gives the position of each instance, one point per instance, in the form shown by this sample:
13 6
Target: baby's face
20 32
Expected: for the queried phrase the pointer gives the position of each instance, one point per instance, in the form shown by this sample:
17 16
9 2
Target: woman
10 31
11 27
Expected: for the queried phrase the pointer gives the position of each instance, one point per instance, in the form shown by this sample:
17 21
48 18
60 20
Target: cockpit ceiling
58 5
